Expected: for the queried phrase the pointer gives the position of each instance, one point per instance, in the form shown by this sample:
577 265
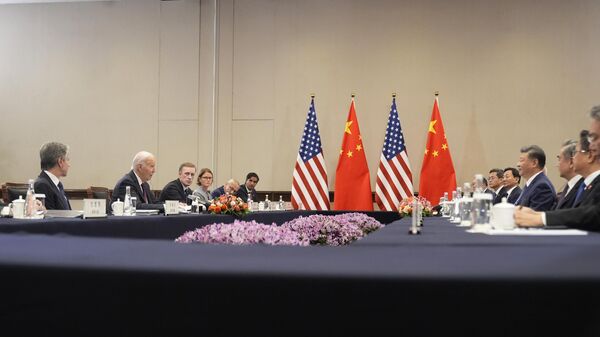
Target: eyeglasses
581 151
592 137
207 178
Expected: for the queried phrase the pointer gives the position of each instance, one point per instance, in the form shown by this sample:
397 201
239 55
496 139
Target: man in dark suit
496 184
587 212
538 194
512 179
566 168
249 187
142 170
230 187
54 161
480 184
179 189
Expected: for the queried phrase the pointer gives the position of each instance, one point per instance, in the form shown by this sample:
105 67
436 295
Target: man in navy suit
512 179
179 189
230 187
496 184
538 194
249 187
142 170
54 161
587 212
566 168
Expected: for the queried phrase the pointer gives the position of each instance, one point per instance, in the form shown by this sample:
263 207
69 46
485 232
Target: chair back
94 192
12 191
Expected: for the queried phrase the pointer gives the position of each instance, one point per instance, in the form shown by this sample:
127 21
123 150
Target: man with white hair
230 187
142 170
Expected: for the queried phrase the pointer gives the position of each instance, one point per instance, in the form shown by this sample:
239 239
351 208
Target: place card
94 208
171 207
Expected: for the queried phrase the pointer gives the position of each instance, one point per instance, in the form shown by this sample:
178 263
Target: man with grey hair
54 162
538 193
587 214
566 168
230 187
142 170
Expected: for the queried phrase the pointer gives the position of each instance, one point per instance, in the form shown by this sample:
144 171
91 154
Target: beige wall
226 84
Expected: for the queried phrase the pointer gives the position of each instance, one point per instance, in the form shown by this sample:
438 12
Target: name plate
171 207
94 208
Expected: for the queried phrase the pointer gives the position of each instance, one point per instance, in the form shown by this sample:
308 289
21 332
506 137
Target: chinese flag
437 171
352 182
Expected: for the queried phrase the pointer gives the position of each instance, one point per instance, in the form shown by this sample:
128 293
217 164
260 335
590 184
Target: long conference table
126 276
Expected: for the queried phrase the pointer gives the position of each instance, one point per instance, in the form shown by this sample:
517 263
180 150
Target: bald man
142 170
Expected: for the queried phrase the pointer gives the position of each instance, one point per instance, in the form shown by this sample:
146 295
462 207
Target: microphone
202 205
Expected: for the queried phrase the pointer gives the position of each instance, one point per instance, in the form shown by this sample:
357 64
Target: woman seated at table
205 179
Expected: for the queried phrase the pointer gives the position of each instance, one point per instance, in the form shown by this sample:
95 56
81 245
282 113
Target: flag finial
394 95
436 93
312 95
352 95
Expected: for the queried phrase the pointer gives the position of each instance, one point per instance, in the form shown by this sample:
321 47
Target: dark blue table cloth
154 226
443 282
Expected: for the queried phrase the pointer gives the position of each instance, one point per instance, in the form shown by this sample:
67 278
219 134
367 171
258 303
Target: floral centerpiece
333 230
336 230
406 206
244 233
228 204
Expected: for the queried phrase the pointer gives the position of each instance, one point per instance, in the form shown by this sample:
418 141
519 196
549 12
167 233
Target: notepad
535 232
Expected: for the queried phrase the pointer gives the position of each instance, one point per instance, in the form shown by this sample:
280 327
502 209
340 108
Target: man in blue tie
566 168
586 214
538 194
55 164
588 167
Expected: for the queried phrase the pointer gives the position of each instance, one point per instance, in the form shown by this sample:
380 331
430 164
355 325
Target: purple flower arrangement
243 233
332 230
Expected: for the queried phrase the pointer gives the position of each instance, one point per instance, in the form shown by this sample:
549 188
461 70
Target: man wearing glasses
586 214
567 170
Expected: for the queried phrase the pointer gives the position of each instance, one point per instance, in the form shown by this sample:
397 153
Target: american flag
309 186
394 178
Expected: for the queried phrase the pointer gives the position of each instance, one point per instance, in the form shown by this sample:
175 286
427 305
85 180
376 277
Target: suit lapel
180 188
59 196
568 200
589 190
136 186
514 195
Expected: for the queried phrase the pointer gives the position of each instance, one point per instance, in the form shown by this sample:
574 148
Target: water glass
133 205
465 211
481 209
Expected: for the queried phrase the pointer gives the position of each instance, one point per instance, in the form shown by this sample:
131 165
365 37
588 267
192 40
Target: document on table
534 232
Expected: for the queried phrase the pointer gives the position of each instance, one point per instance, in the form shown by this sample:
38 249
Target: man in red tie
142 170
